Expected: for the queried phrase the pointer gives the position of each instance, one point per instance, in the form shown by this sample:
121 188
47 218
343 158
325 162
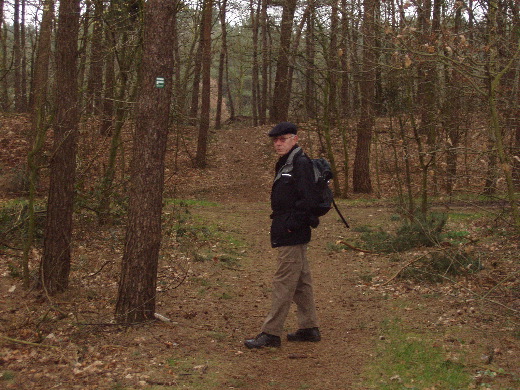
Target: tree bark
95 76
107 106
221 65
3 84
255 85
38 123
280 102
453 115
361 174
23 65
137 285
55 265
262 114
310 81
196 78
202 144
17 56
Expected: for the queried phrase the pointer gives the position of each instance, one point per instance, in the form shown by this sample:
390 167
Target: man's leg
304 296
285 280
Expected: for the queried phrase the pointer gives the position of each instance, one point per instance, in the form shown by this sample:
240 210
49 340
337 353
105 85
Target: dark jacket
293 195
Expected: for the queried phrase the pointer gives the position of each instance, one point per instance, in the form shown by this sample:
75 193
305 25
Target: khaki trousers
291 282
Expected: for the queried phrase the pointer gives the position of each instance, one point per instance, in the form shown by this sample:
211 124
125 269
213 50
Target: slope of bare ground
213 305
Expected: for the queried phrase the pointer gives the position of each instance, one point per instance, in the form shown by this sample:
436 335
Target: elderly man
293 196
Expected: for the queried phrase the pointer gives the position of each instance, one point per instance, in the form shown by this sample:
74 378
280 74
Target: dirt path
349 315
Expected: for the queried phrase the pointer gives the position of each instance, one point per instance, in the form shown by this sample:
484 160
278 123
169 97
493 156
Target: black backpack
322 175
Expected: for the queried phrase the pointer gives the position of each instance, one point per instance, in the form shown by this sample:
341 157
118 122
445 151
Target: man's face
284 143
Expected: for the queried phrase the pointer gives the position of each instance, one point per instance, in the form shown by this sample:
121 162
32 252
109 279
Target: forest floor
214 288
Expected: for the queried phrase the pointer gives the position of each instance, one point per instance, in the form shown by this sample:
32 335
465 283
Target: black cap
283 128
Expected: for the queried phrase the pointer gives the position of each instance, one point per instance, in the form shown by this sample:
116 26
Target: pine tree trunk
280 102
254 68
17 58
361 174
221 65
38 123
95 76
202 144
262 115
137 285
55 265
3 86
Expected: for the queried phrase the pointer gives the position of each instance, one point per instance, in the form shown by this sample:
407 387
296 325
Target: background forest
105 103
428 75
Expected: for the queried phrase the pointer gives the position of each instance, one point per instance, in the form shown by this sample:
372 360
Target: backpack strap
288 166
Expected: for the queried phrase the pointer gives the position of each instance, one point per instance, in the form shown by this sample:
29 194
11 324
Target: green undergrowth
14 216
447 256
407 360
439 266
188 202
424 231
190 233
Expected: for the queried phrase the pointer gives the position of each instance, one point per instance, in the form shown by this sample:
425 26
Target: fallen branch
99 270
27 342
404 267
354 248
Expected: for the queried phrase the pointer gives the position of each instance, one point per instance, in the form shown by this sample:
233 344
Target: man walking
293 196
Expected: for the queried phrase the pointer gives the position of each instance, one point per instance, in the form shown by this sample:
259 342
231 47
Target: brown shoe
263 340
308 334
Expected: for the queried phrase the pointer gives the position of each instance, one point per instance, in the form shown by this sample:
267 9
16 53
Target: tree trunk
361 174
262 115
490 186
280 102
107 106
202 144
294 48
221 64
516 155
310 81
83 44
4 86
95 76
345 101
333 65
17 58
453 115
255 86
38 124
196 79
55 265
23 65
137 285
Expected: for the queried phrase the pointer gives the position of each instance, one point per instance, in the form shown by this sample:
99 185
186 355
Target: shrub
423 231
437 266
